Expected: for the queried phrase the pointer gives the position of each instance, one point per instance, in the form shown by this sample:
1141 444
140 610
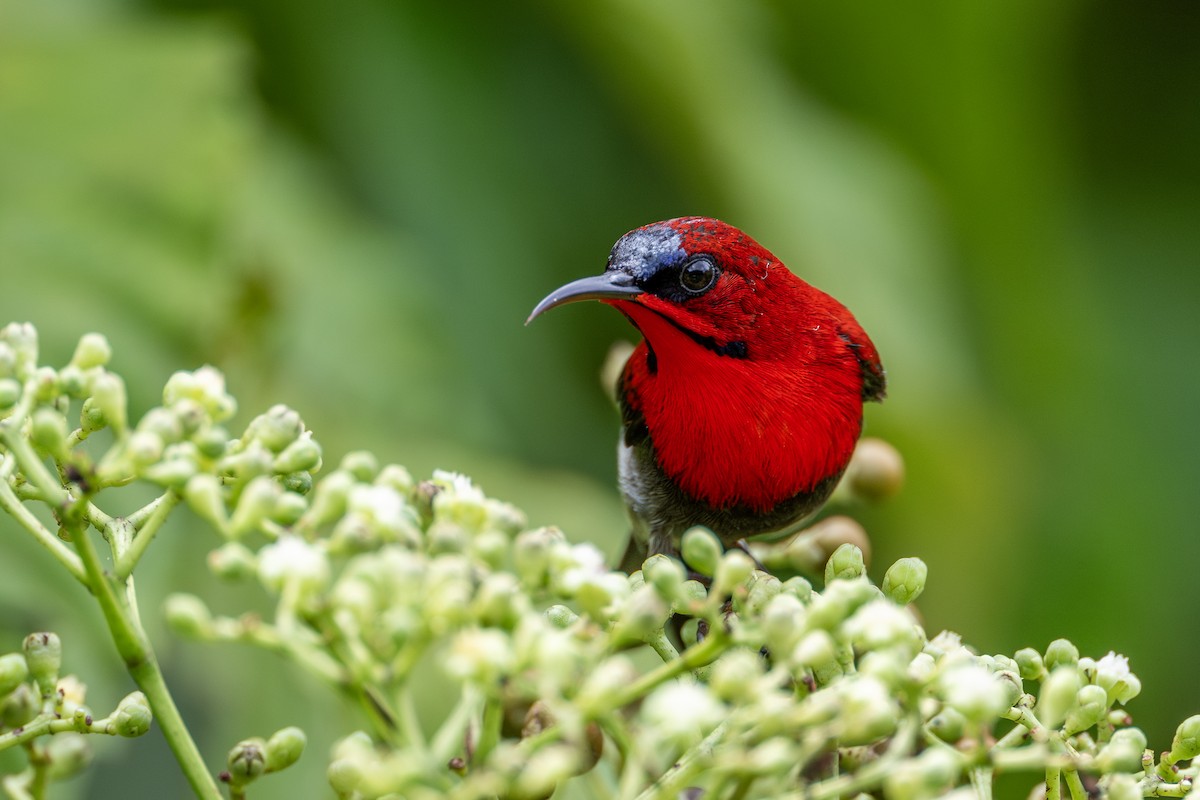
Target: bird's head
696 281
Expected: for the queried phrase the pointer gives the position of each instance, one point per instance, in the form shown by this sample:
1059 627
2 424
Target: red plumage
743 403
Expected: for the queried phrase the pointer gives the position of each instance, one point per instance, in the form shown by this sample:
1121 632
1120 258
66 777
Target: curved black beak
607 286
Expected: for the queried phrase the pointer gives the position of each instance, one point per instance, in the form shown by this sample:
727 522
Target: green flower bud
233 561
531 555
291 558
276 429
10 393
1120 787
499 601
905 580
798 586
13 672
363 465
1186 744
144 448
300 483
1123 753
545 770
329 498
255 504
1091 704
19 707
760 588
665 574
67 754
204 388
74 382
133 716
691 597
93 350
1057 696
247 760
397 477
816 649
948 725
212 441
782 620
284 748
43 656
108 394
642 615
1030 664
162 422
22 339
701 550
344 775
735 568
875 472
680 713
560 616
735 674
302 455
48 430
1061 653
205 496
8 359
91 416
187 615
846 563
45 385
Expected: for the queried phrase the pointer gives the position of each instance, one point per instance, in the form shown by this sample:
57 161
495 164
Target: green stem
148 525
694 761
62 553
1053 785
872 774
695 656
489 729
134 648
1074 784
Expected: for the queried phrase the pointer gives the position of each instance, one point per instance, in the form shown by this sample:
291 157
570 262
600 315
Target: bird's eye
698 275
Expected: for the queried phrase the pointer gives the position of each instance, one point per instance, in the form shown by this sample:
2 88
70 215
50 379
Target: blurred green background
352 207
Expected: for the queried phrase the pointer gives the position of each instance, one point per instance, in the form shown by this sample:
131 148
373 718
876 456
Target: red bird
743 403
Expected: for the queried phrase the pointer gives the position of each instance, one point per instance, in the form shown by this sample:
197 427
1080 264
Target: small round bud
289 508
868 710
247 760
48 430
701 550
22 339
1091 704
1186 744
329 498
974 692
344 775
665 574
1057 696
10 393
133 716
144 448
832 532
560 616
93 350
875 472
735 567
203 389
1030 664
363 465
233 561
43 656
882 624
1123 753
284 748
212 441
681 713
20 706
1120 786
948 725
13 672
1061 653
160 421
904 581
297 482
205 496
255 504
846 563
276 429
45 385
735 674
187 615
108 394
302 455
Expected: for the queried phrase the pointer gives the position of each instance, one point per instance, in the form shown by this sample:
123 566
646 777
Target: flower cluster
784 671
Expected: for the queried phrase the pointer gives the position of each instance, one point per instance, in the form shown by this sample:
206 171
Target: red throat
744 432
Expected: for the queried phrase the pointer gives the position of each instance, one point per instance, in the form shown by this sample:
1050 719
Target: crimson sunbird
743 403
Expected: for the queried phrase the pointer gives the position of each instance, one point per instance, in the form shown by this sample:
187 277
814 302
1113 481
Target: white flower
881 623
974 691
1113 675
480 655
291 558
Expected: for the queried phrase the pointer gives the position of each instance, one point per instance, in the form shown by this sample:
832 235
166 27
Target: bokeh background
351 207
